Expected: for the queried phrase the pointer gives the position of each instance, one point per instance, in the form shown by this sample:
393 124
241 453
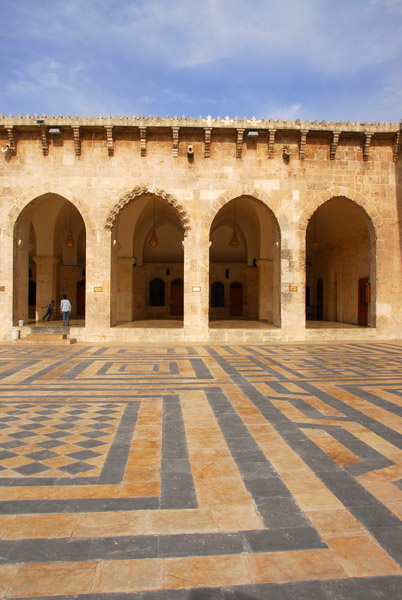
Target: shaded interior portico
49 258
147 263
340 266
244 272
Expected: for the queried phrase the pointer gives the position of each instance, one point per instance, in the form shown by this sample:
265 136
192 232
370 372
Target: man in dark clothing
49 312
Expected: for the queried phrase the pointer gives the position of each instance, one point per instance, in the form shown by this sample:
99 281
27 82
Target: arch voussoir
151 190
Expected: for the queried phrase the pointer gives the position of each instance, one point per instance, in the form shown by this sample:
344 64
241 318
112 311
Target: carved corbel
175 136
143 141
77 141
271 142
43 135
334 144
207 141
397 146
11 139
109 140
303 140
239 142
367 143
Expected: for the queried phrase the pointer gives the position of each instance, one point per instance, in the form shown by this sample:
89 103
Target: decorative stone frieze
10 126
77 140
334 144
175 135
143 140
239 142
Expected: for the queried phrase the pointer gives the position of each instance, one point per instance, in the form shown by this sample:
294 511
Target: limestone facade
315 207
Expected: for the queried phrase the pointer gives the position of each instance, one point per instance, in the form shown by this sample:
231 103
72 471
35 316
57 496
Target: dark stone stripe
155 546
23 507
177 484
359 501
17 368
273 499
76 369
367 588
52 367
200 369
115 463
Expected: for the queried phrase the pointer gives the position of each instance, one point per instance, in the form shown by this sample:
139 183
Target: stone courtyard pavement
201 471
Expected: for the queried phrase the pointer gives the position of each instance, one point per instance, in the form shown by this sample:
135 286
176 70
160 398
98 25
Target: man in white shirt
65 307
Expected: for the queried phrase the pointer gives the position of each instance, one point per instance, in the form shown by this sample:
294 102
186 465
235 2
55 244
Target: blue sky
289 59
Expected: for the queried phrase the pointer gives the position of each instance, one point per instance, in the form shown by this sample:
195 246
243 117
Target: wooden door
320 300
81 298
176 298
236 300
363 300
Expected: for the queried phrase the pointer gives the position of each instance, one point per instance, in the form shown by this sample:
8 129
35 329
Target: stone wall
98 163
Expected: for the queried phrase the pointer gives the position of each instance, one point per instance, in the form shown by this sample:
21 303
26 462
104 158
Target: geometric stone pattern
202 471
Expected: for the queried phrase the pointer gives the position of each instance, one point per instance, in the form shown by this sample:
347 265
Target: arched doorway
340 253
245 260
320 300
81 298
49 256
147 257
176 298
236 299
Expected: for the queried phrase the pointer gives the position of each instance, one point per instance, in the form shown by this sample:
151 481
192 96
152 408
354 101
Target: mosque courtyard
201 471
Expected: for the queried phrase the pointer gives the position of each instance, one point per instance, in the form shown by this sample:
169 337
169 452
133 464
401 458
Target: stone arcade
186 230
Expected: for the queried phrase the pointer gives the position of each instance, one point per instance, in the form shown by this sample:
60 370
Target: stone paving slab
201 471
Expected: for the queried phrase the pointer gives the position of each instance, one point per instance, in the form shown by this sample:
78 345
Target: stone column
293 310
46 282
196 275
98 284
265 289
21 278
6 283
124 290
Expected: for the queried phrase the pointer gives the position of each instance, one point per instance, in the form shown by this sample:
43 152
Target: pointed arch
34 194
152 190
371 211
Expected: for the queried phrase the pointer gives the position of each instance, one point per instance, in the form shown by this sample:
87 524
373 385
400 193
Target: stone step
56 329
47 338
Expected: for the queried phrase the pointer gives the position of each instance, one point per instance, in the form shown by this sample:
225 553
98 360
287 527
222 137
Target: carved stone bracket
367 143
109 139
334 144
143 141
43 135
303 140
207 141
175 134
397 146
77 141
239 142
271 142
11 140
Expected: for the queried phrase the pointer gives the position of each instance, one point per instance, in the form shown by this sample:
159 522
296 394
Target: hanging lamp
70 239
234 241
315 242
153 240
